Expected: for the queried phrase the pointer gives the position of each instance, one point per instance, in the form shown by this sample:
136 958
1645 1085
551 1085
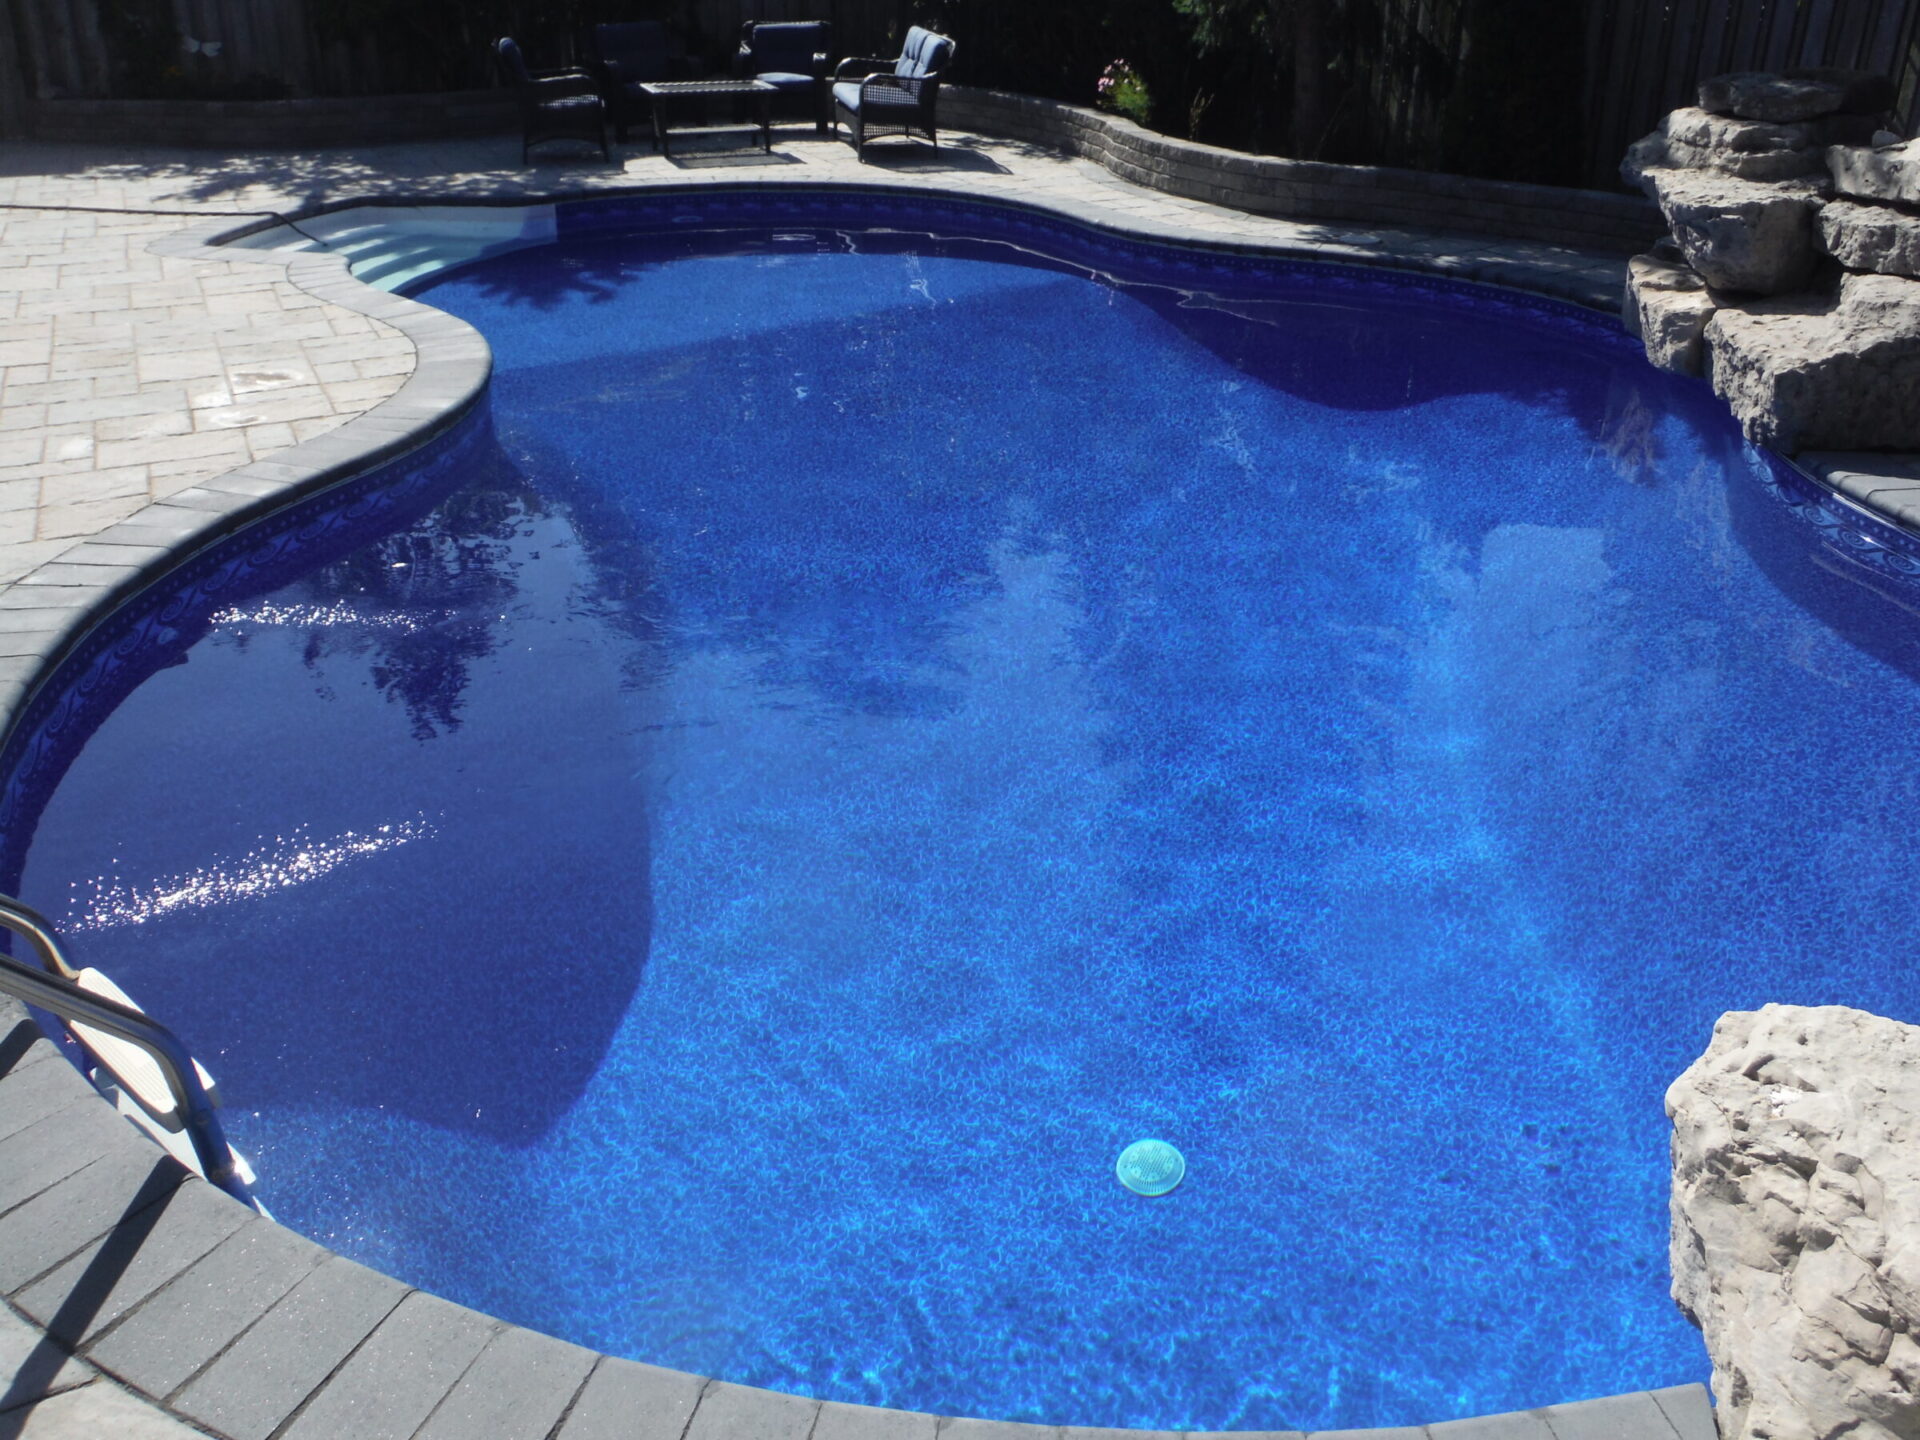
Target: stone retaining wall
1310 190
275 124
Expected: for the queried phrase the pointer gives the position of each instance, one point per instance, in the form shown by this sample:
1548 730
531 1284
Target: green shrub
1121 90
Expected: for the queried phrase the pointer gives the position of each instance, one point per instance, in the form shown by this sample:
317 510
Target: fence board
1643 57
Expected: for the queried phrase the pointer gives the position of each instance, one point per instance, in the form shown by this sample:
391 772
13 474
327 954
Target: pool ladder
136 1060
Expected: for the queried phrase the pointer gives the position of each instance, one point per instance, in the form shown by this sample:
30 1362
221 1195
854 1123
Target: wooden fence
1647 56
271 48
1640 57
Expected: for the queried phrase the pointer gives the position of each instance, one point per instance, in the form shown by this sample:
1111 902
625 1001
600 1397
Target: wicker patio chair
625 57
792 56
554 104
895 95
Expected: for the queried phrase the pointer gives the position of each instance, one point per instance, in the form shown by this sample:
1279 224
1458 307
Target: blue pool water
719 863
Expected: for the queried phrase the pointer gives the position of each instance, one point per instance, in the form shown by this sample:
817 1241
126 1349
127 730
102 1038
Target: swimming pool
882 722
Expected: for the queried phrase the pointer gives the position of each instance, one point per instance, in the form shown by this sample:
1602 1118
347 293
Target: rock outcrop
1796 1222
1785 96
1667 306
1871 238
1695 139
1885 174
1823 371
1773 301
1741 234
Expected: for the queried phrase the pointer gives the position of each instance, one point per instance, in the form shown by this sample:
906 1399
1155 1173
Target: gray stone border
1309 189
229 1323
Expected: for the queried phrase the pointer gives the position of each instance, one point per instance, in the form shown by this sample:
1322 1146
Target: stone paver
624 1400
265 1375
32 1366
516 1389
393 1381
98 1287
226 1290
100 1411
149 394
870 1422
739 1412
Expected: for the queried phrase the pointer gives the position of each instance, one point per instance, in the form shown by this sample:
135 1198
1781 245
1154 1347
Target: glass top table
668 95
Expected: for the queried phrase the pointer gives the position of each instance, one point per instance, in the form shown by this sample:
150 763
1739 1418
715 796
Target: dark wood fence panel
1642 57
1648 56
267 48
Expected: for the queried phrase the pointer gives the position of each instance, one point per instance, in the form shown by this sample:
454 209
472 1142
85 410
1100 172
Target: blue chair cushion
789 45
847 93
923 53
782 80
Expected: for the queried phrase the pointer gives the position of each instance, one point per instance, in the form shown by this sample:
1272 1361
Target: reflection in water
323 965
283 862
456 567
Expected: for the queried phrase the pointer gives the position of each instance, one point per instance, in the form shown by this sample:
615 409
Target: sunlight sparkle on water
279 864
339 613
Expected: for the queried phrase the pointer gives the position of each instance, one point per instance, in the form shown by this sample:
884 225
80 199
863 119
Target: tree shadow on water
465 966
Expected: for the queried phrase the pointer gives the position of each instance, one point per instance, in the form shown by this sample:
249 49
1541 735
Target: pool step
391 246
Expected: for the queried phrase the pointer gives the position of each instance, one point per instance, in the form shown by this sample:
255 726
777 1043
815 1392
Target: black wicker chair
894 95
554 104
625 57
791 56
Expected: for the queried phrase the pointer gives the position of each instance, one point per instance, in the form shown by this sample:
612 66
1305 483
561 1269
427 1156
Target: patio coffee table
668 92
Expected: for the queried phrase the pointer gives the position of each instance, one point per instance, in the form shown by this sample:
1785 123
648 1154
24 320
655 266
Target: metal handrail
32 926
53 989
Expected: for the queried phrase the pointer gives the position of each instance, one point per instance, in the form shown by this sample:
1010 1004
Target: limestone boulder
1695 139
1889 174
1755 149
1871 237
1740 234
1667 305
1796 1221
1645 156
1729 133
1814 371
1787 96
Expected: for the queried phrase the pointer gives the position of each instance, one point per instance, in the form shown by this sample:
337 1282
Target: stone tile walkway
144 382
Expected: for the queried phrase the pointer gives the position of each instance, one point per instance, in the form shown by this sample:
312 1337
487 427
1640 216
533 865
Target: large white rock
1796 1222
1695 139
1667 306
1740 234
1785 96
1889 173
1871 237
1838 372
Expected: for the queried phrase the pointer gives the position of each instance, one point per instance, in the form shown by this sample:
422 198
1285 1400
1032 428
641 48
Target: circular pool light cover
1150 1167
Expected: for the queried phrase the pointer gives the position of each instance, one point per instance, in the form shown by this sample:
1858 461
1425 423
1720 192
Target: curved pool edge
287 1338
46 614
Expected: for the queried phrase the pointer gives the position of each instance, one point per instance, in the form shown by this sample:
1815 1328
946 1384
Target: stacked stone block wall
1310 190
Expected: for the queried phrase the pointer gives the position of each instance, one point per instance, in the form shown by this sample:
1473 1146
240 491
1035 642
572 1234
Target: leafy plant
1121 90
